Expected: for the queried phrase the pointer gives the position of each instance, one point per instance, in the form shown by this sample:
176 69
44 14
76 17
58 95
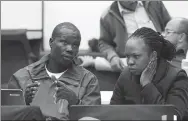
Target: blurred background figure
121 19
184 64
176 31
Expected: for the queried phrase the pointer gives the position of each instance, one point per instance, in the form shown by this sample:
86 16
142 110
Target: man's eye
136 56
64 43
75 46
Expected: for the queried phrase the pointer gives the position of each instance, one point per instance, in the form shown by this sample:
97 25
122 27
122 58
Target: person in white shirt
121 19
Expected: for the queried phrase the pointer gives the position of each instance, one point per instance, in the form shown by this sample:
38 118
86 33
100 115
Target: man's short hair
183 28
66 25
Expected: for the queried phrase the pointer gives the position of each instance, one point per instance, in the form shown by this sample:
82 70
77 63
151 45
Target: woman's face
138 56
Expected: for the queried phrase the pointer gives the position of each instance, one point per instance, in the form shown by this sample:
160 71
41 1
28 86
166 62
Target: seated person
121 19
149 78
176 31
99 63
96 59
77 85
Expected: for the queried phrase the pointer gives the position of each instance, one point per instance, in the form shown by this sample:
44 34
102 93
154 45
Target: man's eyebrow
135 53
132 53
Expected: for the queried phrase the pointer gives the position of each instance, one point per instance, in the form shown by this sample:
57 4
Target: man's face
128 4
137 55
171 32
65 46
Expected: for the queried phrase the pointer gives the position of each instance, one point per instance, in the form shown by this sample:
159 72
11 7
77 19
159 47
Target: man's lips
67 56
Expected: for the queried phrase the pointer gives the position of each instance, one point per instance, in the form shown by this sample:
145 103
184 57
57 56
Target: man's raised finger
60 84
36 84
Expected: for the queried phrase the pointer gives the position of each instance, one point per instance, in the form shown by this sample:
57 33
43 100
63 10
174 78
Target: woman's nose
130 62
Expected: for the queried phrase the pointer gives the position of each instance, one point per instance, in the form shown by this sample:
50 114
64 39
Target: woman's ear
153 55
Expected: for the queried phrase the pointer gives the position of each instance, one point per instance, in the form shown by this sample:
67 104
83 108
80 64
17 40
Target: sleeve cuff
110 55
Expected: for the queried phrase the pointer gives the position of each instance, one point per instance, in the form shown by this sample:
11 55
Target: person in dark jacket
121 19
59 73
149 78
176 31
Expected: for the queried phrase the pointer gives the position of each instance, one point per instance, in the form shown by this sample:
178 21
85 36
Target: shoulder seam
105 13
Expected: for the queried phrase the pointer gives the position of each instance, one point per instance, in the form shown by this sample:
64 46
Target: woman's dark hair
156 42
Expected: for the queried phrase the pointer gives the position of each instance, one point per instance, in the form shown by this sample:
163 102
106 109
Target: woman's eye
126 56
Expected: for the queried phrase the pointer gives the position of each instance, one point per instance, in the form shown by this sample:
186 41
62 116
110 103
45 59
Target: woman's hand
149 72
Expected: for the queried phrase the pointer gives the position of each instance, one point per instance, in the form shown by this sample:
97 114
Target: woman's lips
132 69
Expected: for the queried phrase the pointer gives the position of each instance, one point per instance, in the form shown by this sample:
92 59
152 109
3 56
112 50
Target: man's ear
182 37
50 42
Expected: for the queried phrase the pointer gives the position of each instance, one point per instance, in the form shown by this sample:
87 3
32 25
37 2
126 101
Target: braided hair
155 42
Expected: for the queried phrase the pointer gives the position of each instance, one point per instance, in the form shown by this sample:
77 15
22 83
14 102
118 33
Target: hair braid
156 42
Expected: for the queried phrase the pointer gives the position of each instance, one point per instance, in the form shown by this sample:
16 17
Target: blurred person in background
176 31
121 19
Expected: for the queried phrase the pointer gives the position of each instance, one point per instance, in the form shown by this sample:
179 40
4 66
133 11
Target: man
75 84
122 19
176 31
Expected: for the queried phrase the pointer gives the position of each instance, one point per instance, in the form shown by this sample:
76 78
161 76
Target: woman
149 78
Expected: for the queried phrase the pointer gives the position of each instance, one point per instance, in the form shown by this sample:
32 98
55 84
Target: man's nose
69 47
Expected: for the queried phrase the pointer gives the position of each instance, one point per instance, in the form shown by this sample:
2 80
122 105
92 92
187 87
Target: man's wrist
115 56
93 63
78 102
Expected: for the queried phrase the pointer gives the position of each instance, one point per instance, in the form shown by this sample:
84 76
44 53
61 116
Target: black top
169 86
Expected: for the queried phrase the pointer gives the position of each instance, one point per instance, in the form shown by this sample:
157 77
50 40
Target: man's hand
117 64
87 61
63 92
149 72
30 92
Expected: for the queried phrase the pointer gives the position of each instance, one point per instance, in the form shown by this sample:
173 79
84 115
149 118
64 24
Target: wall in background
21 15
84 14
177 8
